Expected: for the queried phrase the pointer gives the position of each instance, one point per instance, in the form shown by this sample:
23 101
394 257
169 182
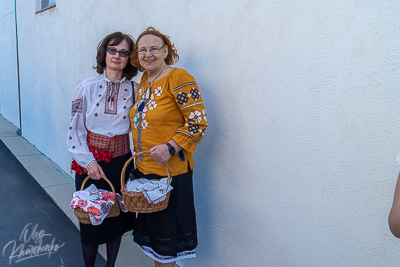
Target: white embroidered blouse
101 107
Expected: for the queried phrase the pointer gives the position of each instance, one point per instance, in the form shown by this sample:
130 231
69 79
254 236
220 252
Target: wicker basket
135 201
83 216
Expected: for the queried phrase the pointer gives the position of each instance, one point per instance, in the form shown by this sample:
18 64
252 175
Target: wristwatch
171 149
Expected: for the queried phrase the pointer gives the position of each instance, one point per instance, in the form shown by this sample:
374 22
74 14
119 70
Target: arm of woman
185 91
190 103
394 215
77 134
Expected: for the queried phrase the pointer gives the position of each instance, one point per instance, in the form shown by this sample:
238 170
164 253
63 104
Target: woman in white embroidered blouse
98 137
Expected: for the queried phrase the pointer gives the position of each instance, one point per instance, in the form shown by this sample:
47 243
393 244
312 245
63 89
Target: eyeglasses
153 50
122 53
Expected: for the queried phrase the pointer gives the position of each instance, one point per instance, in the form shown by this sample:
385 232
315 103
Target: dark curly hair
114 39
172 56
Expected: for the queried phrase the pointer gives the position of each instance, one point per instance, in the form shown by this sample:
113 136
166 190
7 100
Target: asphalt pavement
34 231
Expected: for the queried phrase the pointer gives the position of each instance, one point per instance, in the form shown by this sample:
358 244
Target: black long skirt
171 234
111 228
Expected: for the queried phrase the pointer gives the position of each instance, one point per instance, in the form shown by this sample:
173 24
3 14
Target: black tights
90 253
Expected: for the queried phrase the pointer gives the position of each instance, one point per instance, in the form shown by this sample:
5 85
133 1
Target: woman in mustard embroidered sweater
169 120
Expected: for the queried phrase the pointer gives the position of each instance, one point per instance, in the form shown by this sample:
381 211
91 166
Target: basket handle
134 156
105 178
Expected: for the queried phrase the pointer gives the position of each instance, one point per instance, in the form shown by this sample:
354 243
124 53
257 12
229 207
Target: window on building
46 3
42 5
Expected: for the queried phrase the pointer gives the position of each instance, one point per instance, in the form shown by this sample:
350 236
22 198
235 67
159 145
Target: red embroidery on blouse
98 155
77 168
111 101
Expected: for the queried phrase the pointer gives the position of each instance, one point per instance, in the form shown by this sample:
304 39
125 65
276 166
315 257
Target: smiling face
152 63
116 62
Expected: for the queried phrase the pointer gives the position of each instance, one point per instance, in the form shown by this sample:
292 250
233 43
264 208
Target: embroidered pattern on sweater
182 98
165 259
188 135
196 116
78 138
195 104
183 85
77 106
195 94
111 98
158 91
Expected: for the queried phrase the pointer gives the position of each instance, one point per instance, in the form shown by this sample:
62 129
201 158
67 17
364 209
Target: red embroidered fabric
104 148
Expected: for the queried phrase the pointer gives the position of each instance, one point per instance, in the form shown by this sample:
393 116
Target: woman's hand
95 171
160 153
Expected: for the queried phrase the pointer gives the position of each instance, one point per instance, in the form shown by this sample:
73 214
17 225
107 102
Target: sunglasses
122 53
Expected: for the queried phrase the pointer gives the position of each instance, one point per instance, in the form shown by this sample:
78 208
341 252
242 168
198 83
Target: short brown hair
114 39
172 56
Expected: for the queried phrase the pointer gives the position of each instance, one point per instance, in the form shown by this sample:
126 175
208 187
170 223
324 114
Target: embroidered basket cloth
83 216
136 201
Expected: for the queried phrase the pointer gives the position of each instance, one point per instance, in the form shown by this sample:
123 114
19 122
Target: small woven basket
136 201
83 216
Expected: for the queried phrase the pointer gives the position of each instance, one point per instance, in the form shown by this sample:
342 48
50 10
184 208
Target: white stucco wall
297 166
9 102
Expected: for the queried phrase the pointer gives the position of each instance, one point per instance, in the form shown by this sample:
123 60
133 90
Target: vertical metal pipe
19 131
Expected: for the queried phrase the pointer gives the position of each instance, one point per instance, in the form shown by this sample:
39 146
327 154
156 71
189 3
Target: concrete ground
59 187
30 219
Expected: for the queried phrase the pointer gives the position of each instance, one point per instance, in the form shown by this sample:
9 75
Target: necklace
148 89
137 120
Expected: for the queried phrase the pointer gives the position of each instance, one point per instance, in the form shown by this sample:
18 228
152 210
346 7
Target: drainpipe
19 131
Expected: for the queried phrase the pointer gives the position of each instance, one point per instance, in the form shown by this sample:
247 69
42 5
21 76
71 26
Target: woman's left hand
160 153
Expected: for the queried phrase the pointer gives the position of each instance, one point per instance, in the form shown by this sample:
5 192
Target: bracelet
171 149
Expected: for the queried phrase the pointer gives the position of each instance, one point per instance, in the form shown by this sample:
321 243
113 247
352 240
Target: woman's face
116 62
152 63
